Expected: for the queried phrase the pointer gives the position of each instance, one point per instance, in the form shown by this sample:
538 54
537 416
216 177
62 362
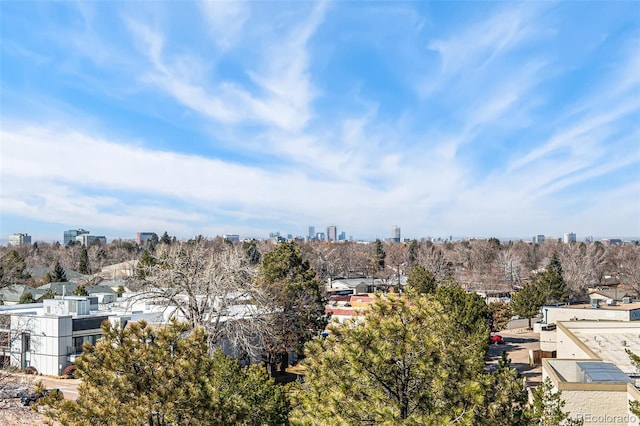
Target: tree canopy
298 296
407 362
143 375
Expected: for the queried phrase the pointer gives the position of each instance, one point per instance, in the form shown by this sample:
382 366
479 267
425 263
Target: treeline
475 264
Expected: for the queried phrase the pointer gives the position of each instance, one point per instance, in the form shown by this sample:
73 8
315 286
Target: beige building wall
569 346
599 407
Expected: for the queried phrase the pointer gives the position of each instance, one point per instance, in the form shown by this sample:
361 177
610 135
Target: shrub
69 371
31 370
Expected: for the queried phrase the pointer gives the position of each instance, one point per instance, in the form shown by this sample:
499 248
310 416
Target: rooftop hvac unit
626 300
611 302
594 304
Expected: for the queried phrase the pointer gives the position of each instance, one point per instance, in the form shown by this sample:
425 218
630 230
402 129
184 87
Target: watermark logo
606 419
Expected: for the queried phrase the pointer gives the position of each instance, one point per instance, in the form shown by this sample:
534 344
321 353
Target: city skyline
486 119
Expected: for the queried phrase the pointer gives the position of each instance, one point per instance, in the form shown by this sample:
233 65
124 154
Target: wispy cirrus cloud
256 118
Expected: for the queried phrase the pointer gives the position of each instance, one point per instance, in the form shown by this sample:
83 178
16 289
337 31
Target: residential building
86 239
48 336
19 239
569 237
232 238
395 234
332 233
143 237
71 235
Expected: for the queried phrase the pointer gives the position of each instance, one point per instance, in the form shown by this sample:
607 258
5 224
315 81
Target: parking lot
517 343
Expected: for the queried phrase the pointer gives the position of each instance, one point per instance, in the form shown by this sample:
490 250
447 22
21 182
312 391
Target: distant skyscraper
538 239
18 239
342 236
569 237
142 237
232 238
320 236
86 239
395 234
332 233
71 235
312 233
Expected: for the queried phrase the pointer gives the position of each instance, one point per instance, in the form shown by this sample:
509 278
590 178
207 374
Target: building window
26 342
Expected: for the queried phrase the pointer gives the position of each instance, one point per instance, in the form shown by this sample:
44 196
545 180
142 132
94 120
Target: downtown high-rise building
311 234
395 234
19 239
569 237
332 233
71 235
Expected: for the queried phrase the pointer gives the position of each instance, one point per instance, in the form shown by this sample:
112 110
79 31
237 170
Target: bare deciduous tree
211 287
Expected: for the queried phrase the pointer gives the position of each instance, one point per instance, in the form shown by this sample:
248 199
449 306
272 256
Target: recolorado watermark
607 419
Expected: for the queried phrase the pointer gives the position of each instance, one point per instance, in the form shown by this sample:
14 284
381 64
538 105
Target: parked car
496 339
32 398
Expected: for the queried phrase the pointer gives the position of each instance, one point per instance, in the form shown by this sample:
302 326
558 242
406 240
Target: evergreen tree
83 264
551 284
49 294
527 302
13 269
81 290
634 406
252 252
548 407
144 375
407 362
468 311
58 275
298 300
378 255
165 239
501 387
145 265
25 298
421 280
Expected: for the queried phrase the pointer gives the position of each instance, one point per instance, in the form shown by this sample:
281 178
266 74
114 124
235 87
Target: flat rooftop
572 371
619 306
610 343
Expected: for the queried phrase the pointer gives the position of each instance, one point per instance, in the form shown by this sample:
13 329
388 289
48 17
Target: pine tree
298 300
144 375
407 362
81 290
527 301
58 275
548 407
83 264
25 298
421 280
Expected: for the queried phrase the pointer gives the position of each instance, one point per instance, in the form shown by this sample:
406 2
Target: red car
496 339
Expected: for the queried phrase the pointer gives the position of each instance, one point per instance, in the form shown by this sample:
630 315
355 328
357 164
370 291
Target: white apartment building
48 336
19 239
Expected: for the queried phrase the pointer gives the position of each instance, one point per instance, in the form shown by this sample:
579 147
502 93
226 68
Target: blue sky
444 118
